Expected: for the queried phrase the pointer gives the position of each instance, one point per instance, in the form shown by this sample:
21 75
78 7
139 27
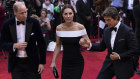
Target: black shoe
137 71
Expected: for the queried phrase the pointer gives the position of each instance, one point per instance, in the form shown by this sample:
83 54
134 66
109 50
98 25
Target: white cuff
14 49
119 57
89 47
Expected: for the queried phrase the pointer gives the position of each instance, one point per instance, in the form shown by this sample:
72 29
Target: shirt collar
118 25
17 20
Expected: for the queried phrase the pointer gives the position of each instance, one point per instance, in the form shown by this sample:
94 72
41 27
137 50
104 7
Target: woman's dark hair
65 7
111 12
101 5
44 9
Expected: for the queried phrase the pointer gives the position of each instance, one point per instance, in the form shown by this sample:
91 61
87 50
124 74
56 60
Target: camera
9 8
9 5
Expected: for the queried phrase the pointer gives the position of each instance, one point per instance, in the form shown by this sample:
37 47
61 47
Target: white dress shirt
130 4
20 38
113 35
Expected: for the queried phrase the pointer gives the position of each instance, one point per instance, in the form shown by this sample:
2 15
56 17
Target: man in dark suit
84 13
128 12
136 13
22 37
121 43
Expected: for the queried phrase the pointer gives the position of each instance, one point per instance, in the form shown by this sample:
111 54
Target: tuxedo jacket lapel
85 4
13 31
28 30
109 38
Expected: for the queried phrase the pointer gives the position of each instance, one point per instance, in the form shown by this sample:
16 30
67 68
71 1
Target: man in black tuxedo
136 13
121 43
22 37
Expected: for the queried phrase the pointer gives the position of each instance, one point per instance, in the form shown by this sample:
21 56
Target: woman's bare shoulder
59 27
80 26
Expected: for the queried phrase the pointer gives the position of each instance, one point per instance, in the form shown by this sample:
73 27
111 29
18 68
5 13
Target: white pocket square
32 34
121 39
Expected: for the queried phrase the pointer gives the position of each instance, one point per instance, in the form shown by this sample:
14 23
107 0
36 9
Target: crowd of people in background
88 13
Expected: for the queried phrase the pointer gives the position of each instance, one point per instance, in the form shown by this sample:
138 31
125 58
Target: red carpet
93 63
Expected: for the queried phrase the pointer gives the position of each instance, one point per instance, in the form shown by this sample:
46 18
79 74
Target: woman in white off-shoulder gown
69 34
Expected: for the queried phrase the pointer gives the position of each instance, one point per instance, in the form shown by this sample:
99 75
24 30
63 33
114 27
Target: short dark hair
65 7
111 12
44 9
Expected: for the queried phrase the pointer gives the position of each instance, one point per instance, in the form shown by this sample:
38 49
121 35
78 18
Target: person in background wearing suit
136 13
23 38
121 43
128 12
84 14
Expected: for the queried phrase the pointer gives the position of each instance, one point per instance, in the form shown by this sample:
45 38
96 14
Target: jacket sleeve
41 44
98 47
6 42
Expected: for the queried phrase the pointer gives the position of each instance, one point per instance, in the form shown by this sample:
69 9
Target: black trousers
136 61
130 18
136 57
110 73
23 70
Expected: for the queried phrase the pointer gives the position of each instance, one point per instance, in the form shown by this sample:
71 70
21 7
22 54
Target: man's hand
114 56
21 45
83 42
40 68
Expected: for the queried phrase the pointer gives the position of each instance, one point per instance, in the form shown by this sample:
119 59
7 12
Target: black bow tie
20 22
113 28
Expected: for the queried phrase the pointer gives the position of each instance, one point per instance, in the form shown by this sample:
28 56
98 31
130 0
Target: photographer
8 6
45 25
34 6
